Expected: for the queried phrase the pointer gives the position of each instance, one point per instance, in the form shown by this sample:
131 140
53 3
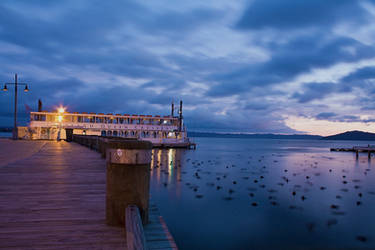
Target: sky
256 66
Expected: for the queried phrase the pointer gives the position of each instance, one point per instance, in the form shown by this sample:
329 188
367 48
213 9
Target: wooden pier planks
52 196
55 199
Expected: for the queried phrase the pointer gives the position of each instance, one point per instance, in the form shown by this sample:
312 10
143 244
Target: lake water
266 194
5 134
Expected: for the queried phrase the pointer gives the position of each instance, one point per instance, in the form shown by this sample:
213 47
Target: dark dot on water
358 203
251 195
228 198
343 176
338 196
361 238
294 193
218 178
310 226
254 204
360 194
262 186
330 170
199 196
338 213
234 182
261 176
255 181
218 188
307 177
331 222
231 191
286 170
345 182
195 189
165 184
356 186
274 203
303 198
334 206
322 188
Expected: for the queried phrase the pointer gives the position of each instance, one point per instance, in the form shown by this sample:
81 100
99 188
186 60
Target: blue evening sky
255 66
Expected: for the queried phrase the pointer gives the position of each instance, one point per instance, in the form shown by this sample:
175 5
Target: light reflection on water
208 196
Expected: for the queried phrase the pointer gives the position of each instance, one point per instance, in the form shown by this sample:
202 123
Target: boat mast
180 117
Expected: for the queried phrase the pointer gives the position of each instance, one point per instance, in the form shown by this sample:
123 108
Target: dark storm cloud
366 73
295 14
325 115
314 91
289 60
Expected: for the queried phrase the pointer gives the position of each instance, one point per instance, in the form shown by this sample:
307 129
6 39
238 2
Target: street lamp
15 83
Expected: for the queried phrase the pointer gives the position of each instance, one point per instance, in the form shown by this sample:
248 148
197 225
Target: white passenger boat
164 131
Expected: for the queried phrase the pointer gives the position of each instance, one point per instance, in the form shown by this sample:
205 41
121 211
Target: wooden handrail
135 237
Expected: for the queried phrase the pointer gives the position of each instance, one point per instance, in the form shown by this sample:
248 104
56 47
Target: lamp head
61 110
26 89
5 88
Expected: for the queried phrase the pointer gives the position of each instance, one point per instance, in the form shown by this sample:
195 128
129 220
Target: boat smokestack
40 107
180 116
172 110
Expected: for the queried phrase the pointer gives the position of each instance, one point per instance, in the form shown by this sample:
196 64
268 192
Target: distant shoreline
254 136
347 136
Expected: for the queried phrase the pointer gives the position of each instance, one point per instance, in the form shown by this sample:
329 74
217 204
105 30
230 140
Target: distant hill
6 129
254 136
352 136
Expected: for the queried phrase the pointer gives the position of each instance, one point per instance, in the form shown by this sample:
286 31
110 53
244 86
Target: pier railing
128 183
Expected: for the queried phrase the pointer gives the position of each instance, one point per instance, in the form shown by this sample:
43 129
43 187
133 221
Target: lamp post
15 83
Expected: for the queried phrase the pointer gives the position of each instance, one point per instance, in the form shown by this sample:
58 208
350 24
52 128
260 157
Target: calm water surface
5 134
266 193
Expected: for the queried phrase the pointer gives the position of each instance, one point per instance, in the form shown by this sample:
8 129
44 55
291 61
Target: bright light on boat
60 118
61 110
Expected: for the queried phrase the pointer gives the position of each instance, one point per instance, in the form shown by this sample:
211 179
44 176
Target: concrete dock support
128 179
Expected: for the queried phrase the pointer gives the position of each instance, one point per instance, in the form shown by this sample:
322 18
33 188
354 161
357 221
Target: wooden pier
53 197
369 149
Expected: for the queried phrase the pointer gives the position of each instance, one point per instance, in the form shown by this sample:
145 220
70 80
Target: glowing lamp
5 88
61 110
26 89
60 118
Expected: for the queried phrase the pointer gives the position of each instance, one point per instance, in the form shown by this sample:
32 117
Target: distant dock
369 149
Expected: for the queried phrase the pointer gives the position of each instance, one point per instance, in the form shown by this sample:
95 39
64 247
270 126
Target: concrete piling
128 179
